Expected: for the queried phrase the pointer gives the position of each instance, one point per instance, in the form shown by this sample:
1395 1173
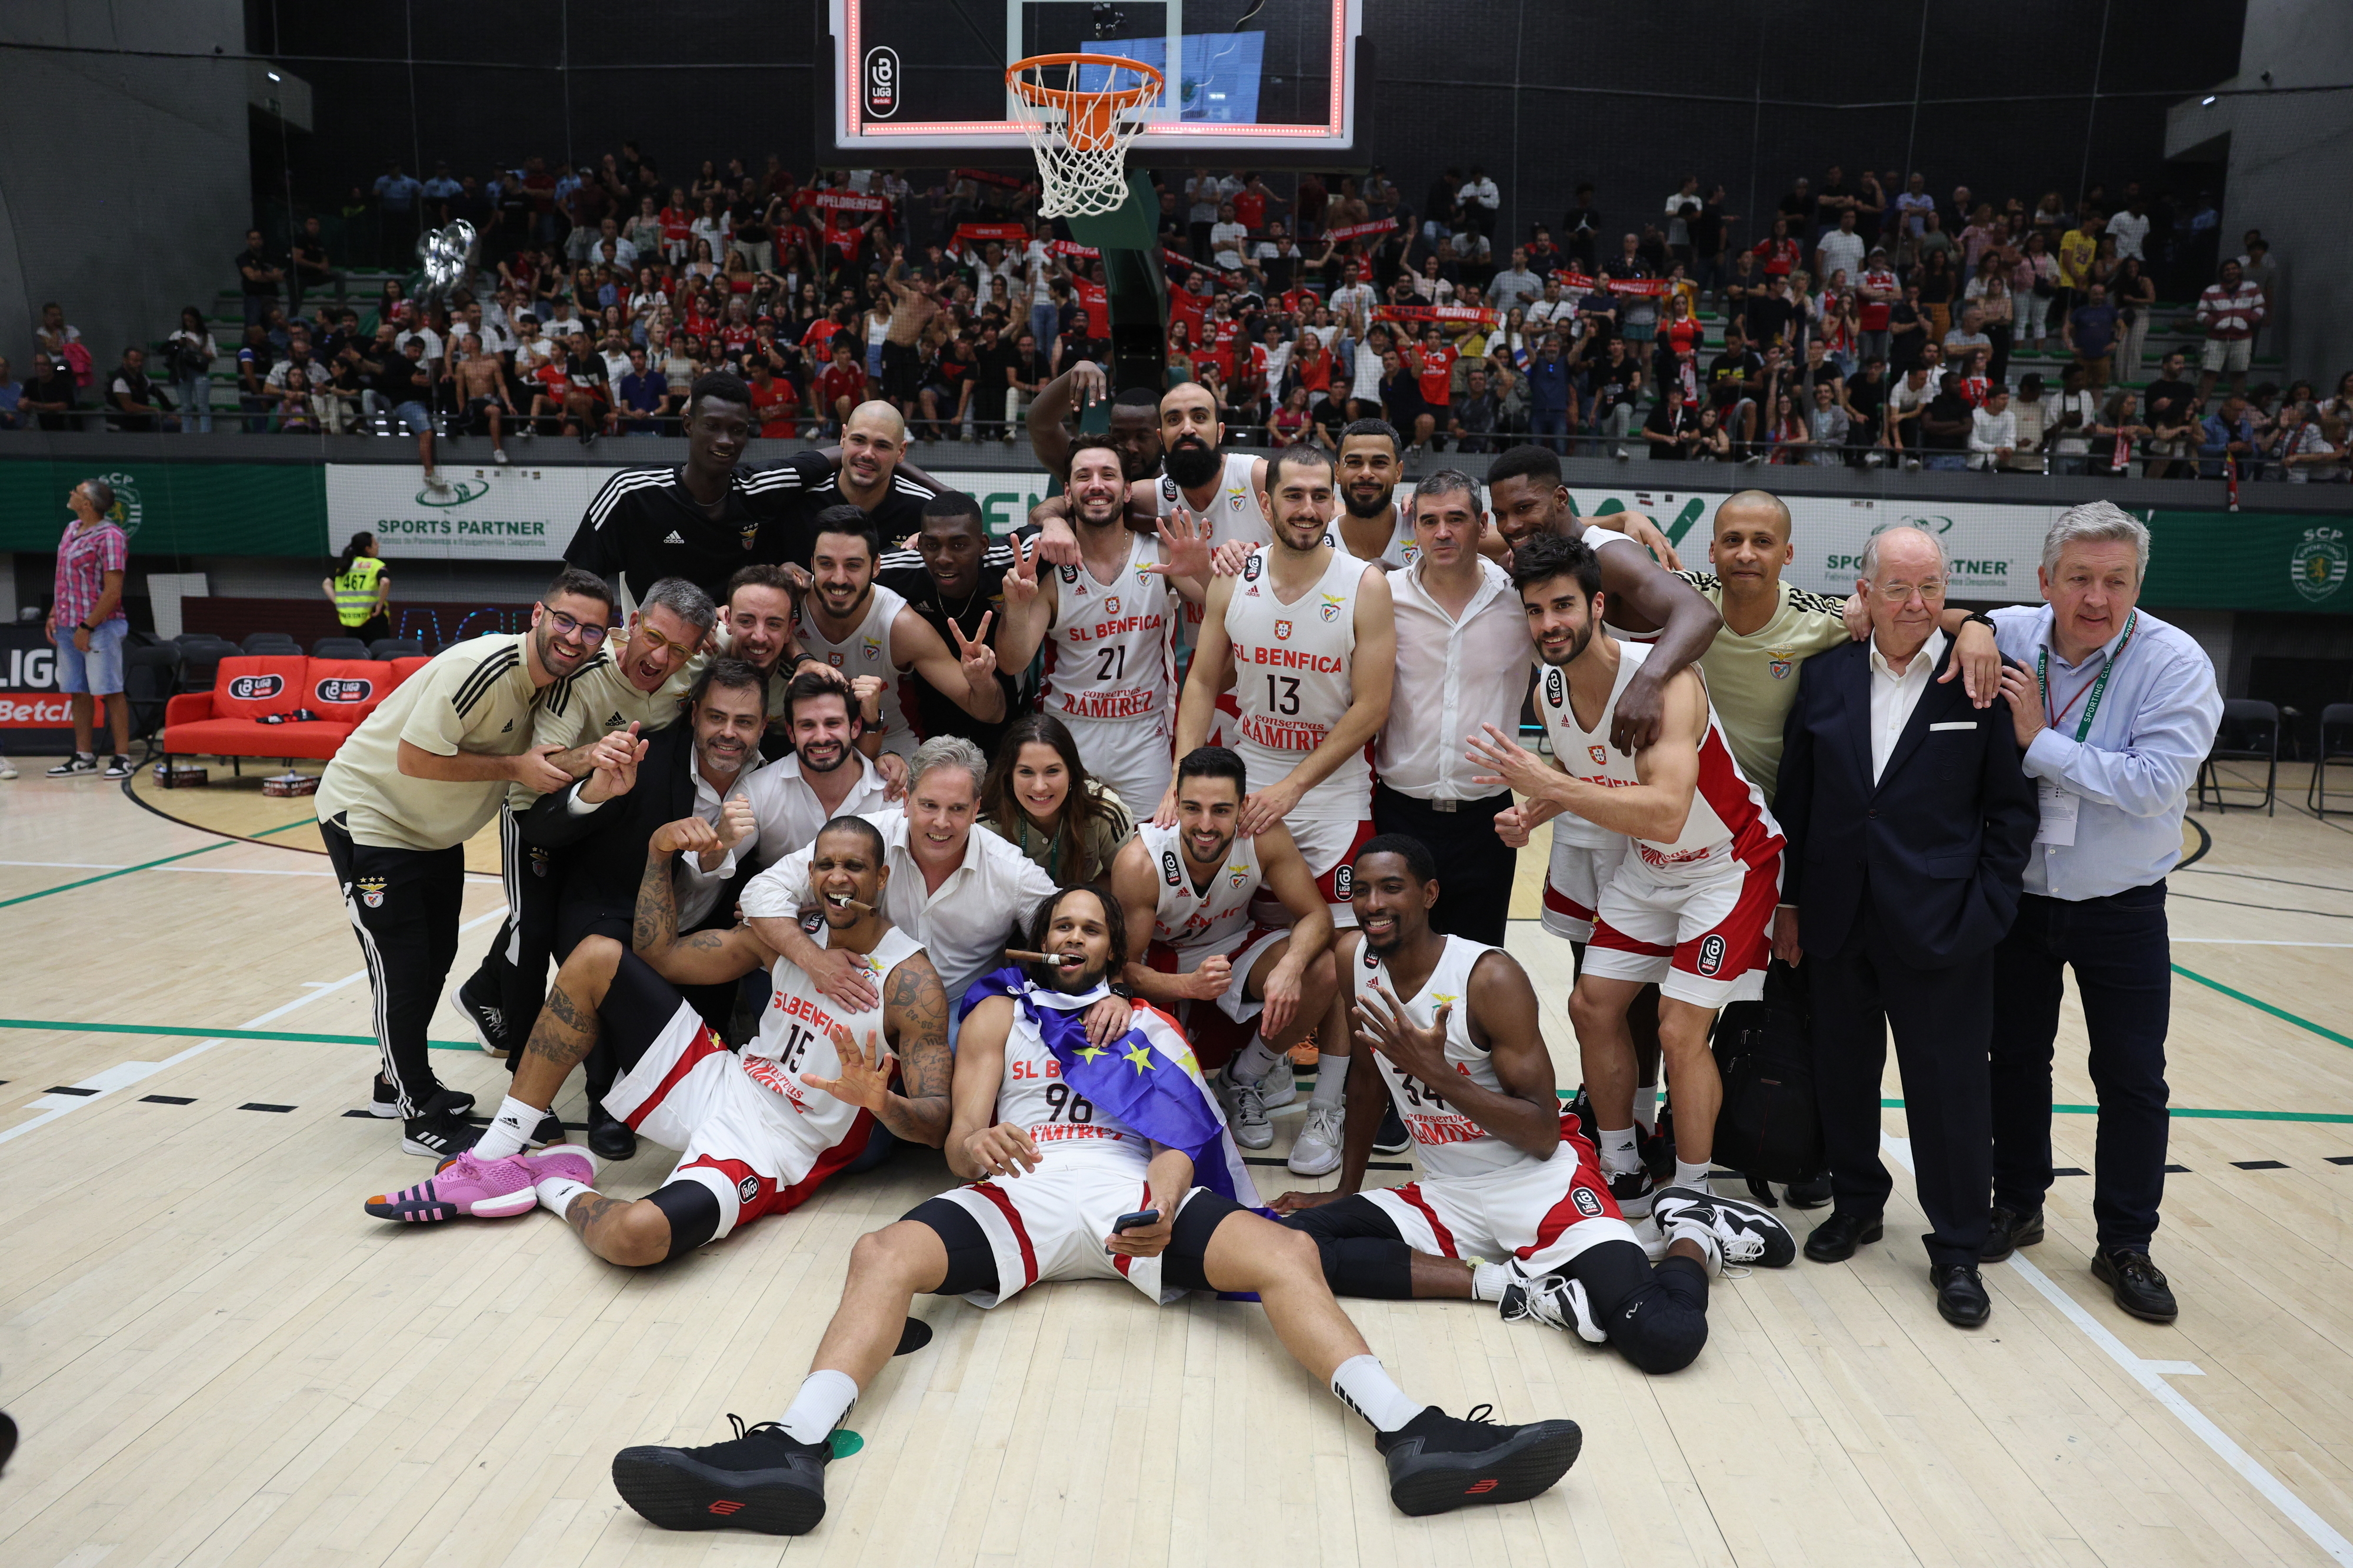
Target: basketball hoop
1081 134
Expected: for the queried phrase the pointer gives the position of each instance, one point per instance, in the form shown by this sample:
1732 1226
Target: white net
1081 113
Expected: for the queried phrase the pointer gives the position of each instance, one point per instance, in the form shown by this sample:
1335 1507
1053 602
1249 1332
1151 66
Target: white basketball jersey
1110 654
1446 1141
865 650
797 1037
1209 919
1400 552
1728 821
1293 682
1064 1124
1232 513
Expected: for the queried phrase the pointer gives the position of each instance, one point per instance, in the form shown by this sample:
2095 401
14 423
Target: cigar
1061 960
863 908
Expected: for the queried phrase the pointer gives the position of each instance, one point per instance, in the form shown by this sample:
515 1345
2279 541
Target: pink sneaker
562 1160
486 1189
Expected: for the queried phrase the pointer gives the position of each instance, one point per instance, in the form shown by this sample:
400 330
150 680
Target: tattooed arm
915 1018
699 958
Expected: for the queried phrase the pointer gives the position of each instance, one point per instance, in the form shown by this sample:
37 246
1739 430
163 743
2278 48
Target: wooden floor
217 1358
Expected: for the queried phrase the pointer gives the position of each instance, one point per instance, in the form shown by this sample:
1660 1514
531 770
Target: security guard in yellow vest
360 590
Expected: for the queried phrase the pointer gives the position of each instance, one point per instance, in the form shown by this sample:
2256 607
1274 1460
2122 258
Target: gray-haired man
2113 709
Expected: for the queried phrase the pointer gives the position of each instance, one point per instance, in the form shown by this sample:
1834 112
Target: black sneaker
478 1003
1813 1193
1745 1232
2140 1288
117 768
761 1480
74 767
442 1132
384 1101
1392 1137
1438 1463
1632 1190
549 1131
1657 1148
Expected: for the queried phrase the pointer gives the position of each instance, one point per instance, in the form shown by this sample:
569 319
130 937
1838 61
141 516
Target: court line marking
68 1027
2151 1375
2262 1006
146 865
220 871
122 1075
2187 1110
2249 942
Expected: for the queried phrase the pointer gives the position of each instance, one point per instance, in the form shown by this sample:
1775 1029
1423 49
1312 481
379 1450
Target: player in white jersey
863 629
1511 1207
1186 892
1371 526
1065 1187
1107 625
758 1132
1691 906
1299 650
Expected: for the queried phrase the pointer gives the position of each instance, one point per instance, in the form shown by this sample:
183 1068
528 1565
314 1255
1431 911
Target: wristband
85 625
1981 619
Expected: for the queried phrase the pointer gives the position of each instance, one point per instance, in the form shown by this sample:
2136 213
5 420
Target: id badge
2059 811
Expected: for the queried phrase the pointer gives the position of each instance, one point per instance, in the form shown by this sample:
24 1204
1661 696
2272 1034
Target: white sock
1365 1386
1488 1279
1257 1059
1330 1078
1646 1108
820 1406
1619 1157
556 1193
510 1130
1690 1175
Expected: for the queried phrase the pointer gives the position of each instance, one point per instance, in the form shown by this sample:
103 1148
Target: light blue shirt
2132 772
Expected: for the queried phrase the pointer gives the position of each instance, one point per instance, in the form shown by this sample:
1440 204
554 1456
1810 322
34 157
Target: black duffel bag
1769 1128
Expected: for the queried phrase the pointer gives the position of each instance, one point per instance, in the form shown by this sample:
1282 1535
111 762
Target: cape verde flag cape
1146 1079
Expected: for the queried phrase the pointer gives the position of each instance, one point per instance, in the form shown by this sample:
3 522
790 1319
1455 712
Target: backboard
922 81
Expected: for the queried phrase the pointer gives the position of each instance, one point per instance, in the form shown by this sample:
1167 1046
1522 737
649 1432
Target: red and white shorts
1574 880
743 1142
1539 1215
1129 757
1706 943
1242 953
1050 1224
1330 846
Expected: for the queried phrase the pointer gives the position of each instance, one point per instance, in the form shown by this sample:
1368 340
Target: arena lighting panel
922 81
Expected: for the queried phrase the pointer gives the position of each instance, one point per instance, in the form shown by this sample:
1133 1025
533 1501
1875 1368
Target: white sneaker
7 769
1280 1087
1732 1229
1245 1113
436 483
1316 1152
1556 1301
498 454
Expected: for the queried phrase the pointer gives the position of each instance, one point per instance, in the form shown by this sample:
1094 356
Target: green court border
151 865
173 1029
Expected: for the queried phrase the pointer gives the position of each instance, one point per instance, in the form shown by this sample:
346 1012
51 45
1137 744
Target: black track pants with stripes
404 907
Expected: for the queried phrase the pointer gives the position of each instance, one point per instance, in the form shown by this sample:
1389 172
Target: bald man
873 477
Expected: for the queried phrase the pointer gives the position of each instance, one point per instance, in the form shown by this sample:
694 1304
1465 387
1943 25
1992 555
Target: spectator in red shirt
776 402
841 386
1433 367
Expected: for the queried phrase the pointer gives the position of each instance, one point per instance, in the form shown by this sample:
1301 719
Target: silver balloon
445 253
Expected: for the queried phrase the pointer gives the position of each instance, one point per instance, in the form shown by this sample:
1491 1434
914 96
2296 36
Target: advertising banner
486 514
173 508
35 716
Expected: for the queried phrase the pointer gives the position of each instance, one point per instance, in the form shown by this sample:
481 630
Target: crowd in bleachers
1860 323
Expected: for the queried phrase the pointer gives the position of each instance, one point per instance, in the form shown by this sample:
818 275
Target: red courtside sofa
226 720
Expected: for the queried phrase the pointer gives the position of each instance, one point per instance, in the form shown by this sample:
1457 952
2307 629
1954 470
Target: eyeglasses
652 641
1931 590
589 632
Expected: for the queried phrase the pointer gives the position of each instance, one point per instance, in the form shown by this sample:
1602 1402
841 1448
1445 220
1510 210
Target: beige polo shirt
596 699
1753 680
476 697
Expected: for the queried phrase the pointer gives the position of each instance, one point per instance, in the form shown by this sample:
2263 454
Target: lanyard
2097 686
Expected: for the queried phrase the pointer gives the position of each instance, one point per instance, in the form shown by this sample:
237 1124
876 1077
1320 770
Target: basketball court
217 1358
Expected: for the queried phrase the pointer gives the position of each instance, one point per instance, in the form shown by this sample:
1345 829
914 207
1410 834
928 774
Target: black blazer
599 857
1944 834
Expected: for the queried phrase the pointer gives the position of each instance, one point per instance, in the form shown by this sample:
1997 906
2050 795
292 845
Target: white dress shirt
1894 696
695 890
786 813
1454 674
963 925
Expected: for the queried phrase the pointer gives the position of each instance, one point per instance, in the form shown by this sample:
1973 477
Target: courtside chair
2250 732
2336 746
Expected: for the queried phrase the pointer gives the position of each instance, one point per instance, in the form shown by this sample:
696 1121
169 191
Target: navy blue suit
1903 886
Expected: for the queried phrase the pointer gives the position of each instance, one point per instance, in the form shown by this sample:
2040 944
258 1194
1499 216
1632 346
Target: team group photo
819 757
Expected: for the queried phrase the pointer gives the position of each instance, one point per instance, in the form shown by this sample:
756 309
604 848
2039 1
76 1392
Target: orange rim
1088 117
